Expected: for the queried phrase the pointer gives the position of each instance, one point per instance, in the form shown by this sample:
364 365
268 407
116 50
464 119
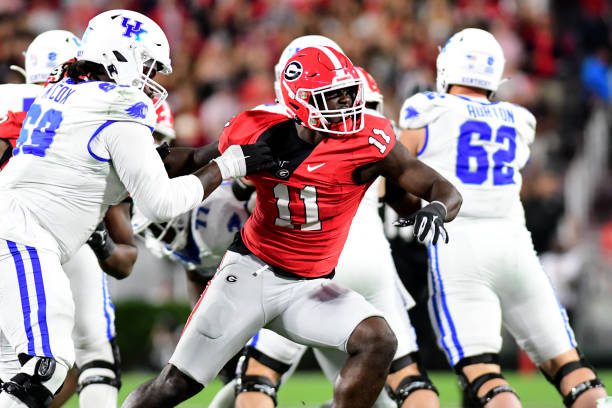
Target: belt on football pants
238 246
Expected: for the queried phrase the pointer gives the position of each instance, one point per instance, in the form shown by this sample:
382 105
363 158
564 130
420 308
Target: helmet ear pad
471 57
310 78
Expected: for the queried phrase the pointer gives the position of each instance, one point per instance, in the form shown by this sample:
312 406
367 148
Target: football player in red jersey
277 272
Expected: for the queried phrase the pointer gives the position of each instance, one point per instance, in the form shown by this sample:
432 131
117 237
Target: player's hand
429 218
163 150
100 242
242 160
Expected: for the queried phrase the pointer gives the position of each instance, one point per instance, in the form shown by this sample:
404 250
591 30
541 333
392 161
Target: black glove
101 243
430 216
242 191
242 160
258 157
163 150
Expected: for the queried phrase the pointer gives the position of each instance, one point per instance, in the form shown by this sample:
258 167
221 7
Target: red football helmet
164 128
372 95
311 76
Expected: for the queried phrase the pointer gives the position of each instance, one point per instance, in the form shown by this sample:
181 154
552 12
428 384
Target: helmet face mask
131 47
312 84
471 57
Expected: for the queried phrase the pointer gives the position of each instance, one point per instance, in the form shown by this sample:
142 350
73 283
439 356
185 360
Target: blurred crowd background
558 64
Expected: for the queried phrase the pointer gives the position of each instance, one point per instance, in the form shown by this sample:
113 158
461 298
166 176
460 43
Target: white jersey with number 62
478 145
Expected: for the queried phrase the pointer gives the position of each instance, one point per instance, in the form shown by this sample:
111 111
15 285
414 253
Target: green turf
311 389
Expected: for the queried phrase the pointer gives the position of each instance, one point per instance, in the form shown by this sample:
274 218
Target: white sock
98 396
225 397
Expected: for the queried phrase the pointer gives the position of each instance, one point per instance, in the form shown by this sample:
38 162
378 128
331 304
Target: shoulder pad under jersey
272 108
525 123
421 109
18 97
247 126
118 103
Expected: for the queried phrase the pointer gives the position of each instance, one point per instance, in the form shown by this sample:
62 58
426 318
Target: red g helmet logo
311 78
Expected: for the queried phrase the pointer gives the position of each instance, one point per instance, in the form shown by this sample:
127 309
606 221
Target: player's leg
268 357
230 311
324 314
37 318
97 353
466 316
540 326
407 383
331 362
574 378
9 363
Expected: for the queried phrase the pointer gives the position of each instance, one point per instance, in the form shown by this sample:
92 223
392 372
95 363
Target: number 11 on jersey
308 195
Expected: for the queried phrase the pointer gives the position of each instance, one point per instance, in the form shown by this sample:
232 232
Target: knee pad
578 389
411 383
101 371
257 383
39 379
470 389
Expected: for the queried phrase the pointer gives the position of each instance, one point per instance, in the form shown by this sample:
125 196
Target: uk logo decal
132 29
138 110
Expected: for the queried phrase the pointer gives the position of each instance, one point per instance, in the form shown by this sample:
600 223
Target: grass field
308 390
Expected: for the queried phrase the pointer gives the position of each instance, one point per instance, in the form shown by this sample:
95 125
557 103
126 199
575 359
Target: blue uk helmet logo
132 29
138 110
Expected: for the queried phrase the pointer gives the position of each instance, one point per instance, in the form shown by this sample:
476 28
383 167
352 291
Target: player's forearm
210 177
186 160
121 261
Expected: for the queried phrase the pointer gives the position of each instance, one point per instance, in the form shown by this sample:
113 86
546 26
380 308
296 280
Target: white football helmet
371 92
471 57
293 47
130 46
47 51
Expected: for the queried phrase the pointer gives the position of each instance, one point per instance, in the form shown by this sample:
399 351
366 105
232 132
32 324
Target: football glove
430 217
163 150
242 160
101 243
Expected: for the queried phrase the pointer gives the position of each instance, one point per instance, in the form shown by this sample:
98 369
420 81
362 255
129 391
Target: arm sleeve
131 150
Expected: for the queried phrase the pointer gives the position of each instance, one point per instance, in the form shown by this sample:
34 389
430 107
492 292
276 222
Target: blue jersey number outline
41 137
503 174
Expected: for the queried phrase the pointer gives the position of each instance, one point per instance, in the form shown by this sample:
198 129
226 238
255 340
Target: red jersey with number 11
305 208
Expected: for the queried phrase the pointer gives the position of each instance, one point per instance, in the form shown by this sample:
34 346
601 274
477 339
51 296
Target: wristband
443 207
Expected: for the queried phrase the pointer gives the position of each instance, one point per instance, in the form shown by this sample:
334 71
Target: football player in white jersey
94 331
71 162
489 274
270 359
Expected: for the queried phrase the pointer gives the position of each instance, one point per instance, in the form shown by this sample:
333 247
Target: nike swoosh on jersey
313 168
